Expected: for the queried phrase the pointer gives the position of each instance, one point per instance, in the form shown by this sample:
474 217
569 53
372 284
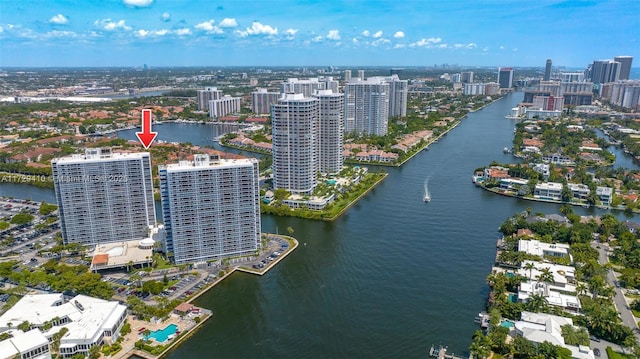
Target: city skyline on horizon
124 33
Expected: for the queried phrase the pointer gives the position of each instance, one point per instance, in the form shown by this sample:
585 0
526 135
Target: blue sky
339 33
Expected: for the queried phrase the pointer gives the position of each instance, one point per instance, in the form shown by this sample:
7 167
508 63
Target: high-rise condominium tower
206 95
104 197
367 106
347 75
547 71
505 77
211 208
330 130
294 124
625 66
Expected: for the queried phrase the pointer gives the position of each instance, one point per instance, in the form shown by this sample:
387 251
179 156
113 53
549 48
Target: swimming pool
513 298
507 324
162 335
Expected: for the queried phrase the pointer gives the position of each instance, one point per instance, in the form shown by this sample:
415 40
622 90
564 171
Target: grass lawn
616 355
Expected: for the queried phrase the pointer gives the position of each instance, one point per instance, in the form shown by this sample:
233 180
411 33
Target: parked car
596 351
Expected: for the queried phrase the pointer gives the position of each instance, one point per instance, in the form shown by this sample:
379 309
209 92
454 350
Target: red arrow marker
146 137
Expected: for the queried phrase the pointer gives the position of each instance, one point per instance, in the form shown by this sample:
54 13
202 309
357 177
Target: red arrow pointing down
146 137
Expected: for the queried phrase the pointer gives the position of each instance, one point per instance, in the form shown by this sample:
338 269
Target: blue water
162 335
507 324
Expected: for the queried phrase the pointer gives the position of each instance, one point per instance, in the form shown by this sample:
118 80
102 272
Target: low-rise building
548 190
89 321
579 190
541 249
540 327
29 345
605 195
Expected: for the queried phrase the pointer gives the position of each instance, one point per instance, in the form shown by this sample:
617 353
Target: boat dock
441 353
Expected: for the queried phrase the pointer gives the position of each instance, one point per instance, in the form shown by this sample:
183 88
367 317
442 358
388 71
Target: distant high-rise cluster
211 99
612 81
206 95
311 117
603 71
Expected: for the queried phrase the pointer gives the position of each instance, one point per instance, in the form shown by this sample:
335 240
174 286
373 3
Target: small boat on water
427 195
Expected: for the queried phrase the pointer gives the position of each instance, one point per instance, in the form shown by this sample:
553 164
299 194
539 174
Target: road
619 300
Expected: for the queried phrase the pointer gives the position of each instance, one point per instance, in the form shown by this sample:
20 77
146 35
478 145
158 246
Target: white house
537 248
540 328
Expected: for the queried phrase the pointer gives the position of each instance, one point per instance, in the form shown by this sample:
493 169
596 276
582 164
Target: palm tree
536 303
545 276
581 288
530 267
596 284
480 347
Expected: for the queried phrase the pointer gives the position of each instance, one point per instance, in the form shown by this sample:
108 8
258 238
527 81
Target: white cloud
165 17
485 49
430 42
457 46
333 35
290 34
1 29
110 25
182 32
471 45
137 3
317 38
399 46
380 41
378 34
501 47
443 46
515 49
59 19
209 27
398 35
354 40
228 22
366 33
152 33
259 29
56 33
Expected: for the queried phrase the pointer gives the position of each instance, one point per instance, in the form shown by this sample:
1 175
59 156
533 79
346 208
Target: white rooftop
90 156
537 248
87 314
209 163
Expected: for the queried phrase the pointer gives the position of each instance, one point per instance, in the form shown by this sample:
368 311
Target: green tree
480 347
22 218
530 267
536 303
545 275
46 208
94 352
575 336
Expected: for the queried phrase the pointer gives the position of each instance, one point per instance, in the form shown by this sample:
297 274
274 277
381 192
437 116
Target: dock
441 353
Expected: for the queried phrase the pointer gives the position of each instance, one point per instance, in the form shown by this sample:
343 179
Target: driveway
619 300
